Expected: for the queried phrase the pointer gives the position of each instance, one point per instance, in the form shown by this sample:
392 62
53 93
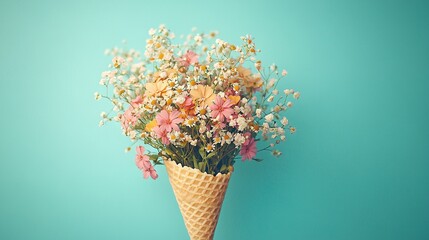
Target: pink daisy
143 163
149 170
168 120
221 109
190 58
248 149
141 158
161 133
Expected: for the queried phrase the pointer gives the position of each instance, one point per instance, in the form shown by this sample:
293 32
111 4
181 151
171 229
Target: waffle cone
200 196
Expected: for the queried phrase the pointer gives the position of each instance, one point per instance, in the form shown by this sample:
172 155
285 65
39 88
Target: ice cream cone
200 196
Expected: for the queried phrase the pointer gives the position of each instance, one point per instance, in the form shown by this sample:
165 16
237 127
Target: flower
128 119
155 88
140 157
150 125
143 163
221 109
248 149
149 170
162 134
190 58
168 120
269 117
187 106
251 82
203 95
284 72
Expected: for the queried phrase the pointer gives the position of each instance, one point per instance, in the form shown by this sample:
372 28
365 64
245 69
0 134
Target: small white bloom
101 123
296 95
284 121
273 67
180 99
242 124
270 98
288 91
289 104
152 31
103 114
239 139
275 92
284 72
269 118
127 149
258 112
97 96
163 75
194 142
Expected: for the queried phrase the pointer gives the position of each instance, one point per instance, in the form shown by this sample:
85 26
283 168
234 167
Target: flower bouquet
200 105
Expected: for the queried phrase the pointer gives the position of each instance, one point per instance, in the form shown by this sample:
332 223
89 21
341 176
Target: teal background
356 169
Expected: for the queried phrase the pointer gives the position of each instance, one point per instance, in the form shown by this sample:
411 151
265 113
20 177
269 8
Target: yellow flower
203 95
150 125
234 99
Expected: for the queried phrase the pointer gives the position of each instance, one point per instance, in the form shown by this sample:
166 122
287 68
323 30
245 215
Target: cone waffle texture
200 196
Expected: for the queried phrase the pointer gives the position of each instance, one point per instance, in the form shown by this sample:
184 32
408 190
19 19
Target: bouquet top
200 103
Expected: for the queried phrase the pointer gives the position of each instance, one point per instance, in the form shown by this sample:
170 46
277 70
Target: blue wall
356 169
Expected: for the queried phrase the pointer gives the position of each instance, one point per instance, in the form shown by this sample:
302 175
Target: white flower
273 67
258 112
203 128
103 114
288 91
271 83
127 149
101 123
97 96
289 104
269 118
152 31
275 92
180 99
283 137
284 121
239 139
270 98
227 138
242 124
284 72
296 95
163 75
194 142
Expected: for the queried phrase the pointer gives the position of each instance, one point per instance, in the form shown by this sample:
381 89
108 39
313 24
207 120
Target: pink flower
248 149
168 120
138 100
190 58
128 119
143 163
148 169
188 106
221 109
140 157
161 134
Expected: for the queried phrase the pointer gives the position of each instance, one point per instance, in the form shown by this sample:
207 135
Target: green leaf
257 159
202 152
211 155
